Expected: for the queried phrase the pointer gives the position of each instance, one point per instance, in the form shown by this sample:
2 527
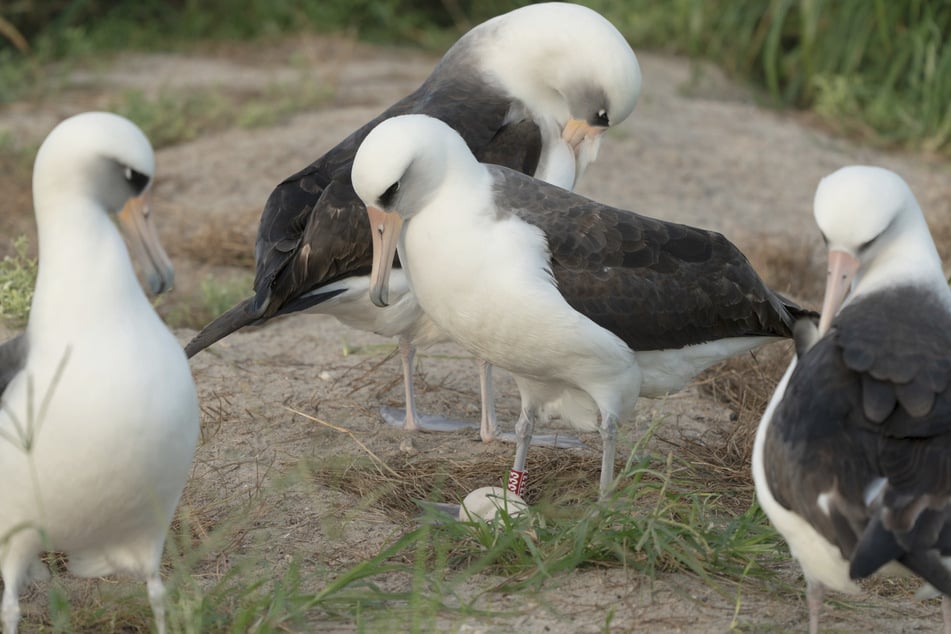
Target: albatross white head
396 171
98 162
572 70
876 234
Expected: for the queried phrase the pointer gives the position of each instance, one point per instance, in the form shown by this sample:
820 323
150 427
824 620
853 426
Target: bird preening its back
99 416
532 89
851 459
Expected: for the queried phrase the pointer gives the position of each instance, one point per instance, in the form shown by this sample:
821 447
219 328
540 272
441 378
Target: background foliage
876 68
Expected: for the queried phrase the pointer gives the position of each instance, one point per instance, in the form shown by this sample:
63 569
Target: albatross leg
489 429
11 600
156 591
411 420
609 443
523 438
20 565
815 592
407 356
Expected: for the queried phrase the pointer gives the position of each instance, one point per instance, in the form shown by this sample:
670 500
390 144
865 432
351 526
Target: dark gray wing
517 146
314 228
871 403
655 284
12 359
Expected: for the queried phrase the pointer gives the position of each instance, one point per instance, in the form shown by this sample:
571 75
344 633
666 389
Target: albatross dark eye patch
386 198
138 180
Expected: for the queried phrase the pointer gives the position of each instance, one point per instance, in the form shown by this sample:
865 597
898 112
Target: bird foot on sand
397 417
558 441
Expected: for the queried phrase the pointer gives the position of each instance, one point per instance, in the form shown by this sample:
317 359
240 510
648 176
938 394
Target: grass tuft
173 117
17 280
178 115
661 518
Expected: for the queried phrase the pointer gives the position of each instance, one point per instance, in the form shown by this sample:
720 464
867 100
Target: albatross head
396 171
875 233
101 161
567 65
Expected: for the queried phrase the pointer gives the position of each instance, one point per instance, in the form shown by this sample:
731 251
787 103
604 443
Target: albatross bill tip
136 224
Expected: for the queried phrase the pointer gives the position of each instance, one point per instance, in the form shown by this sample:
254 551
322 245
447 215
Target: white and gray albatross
532 89
98 411
852 459
583 303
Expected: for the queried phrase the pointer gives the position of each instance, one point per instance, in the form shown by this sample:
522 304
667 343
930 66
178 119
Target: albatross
532 89
98 411
586 305
851 456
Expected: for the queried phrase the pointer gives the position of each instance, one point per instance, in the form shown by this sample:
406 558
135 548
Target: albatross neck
84 269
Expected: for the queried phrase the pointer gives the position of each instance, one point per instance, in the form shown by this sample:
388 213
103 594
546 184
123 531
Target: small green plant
175 115
195 311
219 297
281 100
17 279
171 116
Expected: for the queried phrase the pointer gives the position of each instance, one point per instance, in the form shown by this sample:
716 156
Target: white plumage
100 421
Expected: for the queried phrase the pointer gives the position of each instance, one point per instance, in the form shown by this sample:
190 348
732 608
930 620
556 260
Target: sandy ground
698 149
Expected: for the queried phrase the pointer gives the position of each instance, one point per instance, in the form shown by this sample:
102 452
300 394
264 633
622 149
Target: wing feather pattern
655 284
314 229
870 403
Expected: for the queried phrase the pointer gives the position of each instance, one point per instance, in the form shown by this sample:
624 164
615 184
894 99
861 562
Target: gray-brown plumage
657 285
866 420
313 228
532 89
851 459
588 306
13 355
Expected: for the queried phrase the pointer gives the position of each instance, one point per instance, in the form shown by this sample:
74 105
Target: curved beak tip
380 298
385 231
161 282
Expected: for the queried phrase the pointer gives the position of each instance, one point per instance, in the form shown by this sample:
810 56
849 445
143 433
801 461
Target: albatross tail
234 319
796 313
253 310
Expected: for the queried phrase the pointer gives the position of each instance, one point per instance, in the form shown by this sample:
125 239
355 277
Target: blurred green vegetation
880 69
59 27
17 279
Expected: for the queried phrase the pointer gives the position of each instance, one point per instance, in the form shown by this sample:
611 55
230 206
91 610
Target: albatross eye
602 118
386 199
138 180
